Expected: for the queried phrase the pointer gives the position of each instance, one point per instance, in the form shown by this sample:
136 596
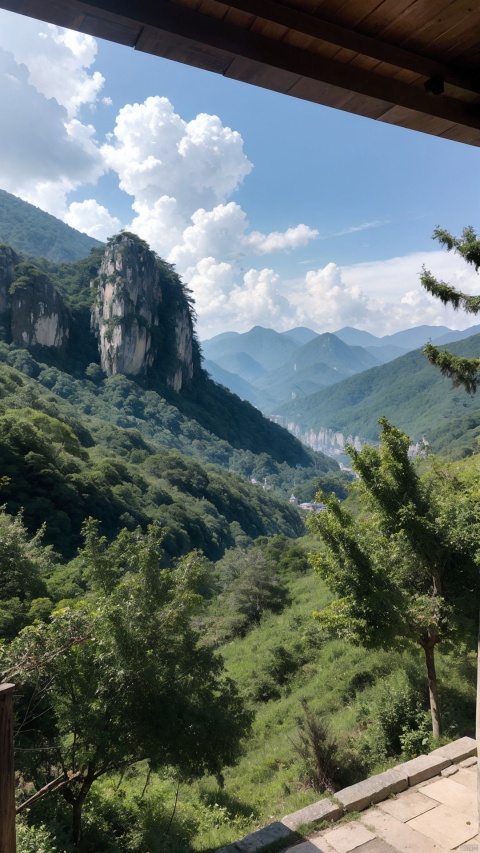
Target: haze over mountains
272 369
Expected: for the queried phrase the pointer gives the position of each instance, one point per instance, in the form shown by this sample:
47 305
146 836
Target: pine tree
463 371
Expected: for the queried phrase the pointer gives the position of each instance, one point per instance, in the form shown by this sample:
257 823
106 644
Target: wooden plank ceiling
414 63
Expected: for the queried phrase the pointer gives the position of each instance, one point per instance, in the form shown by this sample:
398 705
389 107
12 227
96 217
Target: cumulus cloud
218 233
381 297
43 156
92 218
227 301
292 238
58 60
156 153
181 176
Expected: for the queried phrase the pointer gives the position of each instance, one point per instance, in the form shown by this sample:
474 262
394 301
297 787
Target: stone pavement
433 816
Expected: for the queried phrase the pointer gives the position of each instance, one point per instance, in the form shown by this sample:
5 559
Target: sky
275 211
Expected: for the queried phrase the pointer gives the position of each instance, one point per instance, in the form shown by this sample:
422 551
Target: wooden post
7 775
477 732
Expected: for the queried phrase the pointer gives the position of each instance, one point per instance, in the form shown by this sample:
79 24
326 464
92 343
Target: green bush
34 839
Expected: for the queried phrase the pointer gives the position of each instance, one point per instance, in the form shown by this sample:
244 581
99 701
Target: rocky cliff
328 441
38 314
31 310
8 261
141 314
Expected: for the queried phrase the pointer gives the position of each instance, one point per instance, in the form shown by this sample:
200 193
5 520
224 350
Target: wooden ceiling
413 63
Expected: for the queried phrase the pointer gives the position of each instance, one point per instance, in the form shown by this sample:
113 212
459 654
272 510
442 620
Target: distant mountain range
409 391
271 369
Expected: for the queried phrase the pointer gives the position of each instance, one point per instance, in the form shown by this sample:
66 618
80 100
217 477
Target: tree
24 565
404 574
121 678
463 371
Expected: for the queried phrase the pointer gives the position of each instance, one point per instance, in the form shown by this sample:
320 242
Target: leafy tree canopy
122 678
406 573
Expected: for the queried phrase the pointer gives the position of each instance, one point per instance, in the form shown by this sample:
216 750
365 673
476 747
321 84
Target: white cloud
92 218
292 238
226 301
181 176
259 301
218 233
156 153
381 296
43 156
58 60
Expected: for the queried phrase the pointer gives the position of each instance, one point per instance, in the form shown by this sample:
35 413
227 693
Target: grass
354 689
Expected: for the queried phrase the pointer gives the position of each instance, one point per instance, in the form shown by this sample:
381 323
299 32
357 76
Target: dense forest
29 229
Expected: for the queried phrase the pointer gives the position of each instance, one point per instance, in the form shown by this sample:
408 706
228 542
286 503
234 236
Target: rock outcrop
38 313
8 261
141 317
328 441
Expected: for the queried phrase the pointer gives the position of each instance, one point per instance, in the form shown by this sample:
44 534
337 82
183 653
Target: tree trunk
77 807
429 649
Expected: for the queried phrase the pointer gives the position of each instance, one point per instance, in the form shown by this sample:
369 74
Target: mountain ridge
32 231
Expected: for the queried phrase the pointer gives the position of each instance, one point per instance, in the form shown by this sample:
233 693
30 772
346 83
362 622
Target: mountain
406 340
106 411
386 353
28 229
280 366
409 391
268 348
243 365
243 389
357 337
455 335
414 338
300 335
323 361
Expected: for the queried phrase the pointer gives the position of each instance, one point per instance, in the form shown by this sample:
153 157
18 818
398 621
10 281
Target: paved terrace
427 805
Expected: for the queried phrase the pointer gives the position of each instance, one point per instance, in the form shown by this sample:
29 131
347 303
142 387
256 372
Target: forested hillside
29 229
407 391
126 449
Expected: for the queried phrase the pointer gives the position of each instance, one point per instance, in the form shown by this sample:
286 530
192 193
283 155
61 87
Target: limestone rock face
182 374
38 313
8 261
141 316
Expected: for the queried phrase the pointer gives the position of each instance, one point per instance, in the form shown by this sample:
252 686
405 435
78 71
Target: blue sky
278 211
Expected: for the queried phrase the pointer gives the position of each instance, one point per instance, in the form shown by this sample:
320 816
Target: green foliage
318 751
406 573
408 391
393 719
34 839
250 586
462 371
29 229
24 567
105 667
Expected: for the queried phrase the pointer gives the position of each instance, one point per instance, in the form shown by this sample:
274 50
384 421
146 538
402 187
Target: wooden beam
166 28
193 27
153 14
342 37
7 774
